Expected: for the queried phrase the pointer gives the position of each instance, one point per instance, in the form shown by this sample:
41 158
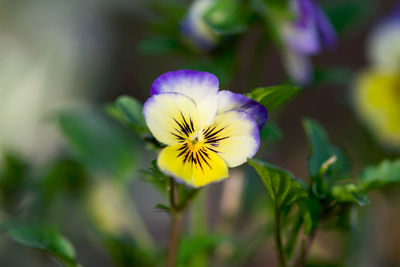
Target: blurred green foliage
44 238
99 142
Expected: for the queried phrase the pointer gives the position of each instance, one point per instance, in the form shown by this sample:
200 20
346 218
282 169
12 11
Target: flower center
196 146
195 141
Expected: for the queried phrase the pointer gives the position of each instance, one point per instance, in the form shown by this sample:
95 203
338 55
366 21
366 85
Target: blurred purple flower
307 35
195 29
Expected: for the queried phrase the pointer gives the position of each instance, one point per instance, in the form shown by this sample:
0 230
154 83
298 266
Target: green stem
173 198
278 240
292 239
301 260
177 213
173 240
175 228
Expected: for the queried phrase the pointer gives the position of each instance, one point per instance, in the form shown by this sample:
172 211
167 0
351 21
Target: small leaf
163 207
325 159
273 96
283 189
132 113
46 239
227 17
349 193
156 177
385 174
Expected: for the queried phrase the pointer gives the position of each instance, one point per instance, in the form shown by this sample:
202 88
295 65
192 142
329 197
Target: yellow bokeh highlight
377 102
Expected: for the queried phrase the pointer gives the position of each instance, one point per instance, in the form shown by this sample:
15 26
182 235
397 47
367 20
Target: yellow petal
203 168
171 117
234 135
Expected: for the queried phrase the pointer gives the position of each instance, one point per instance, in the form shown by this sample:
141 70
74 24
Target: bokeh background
80 56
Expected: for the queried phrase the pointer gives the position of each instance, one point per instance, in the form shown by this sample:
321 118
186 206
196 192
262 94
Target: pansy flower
307 35
376 90
205 130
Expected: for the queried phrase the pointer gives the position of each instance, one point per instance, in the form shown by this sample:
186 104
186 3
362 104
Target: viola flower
195 29
205 130
307 35
376 91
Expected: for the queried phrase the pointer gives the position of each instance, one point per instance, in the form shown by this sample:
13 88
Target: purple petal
231 101
195 29
302 35
185 82
392 18
326 31
199 40
201 87
304 11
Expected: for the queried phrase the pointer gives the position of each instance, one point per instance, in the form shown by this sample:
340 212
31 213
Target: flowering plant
191 174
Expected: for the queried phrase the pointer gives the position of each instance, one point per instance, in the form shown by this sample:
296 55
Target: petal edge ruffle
201 87
228 100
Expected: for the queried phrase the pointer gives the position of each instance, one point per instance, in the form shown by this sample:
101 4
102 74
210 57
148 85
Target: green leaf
99 142
273 96
283 189
311 209
385 174
156 177
349 193
132 113
227 17
45 239
306 216
325 159
271 133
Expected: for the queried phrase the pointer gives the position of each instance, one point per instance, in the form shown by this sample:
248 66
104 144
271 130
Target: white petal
234 135
171 117
201 87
